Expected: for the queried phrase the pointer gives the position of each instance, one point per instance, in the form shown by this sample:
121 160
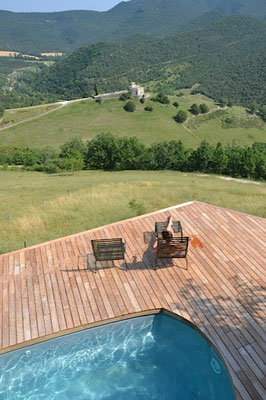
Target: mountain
227 59
66 31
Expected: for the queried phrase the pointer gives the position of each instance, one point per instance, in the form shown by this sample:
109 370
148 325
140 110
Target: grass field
15 115
87 118
36 207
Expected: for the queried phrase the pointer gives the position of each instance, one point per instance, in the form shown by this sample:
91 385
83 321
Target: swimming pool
154 357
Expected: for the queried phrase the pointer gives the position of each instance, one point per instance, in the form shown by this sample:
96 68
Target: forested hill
66 31
228 59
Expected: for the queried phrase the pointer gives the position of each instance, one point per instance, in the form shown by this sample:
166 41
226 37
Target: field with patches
87 118
36 207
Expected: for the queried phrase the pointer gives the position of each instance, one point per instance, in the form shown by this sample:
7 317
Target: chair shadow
148 259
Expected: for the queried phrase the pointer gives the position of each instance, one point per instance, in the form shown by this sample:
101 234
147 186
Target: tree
178 156
220 159
130 106
252 109
73 148
203 108
202 157
96 89
129 153
2 110
102 152
142 100
181 117
222 102
262 113
194 109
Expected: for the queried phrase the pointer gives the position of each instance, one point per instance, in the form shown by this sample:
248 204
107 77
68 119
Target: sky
56 5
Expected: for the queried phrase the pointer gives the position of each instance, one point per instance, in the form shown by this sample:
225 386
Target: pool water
154 357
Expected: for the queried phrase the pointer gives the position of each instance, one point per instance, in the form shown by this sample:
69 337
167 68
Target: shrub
51 168
222 102
161 98
229 120
194 109
71 163
130 106
142 100
138 208
148 108
203 108
125 96
180 117
176 104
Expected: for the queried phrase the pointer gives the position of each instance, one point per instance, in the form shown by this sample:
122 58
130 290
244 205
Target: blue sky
56 5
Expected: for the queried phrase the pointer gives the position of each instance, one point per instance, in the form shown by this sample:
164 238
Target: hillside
66 31
86 119
227 58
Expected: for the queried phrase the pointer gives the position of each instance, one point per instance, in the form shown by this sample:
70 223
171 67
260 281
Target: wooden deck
46 289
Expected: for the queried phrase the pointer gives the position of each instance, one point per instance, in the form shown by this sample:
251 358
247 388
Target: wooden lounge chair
108 249
161 226
176 248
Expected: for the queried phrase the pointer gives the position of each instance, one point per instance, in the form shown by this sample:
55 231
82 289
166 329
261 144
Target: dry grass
35 207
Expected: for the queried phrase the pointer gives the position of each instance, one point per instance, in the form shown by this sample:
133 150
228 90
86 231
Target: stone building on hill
136 90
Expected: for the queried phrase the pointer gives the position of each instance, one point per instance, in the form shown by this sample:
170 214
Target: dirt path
62 104
190 131
209 112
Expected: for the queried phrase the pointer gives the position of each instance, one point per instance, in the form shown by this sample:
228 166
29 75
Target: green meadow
36 207
87 118
16 115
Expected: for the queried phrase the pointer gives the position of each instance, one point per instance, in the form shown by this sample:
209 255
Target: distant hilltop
33 33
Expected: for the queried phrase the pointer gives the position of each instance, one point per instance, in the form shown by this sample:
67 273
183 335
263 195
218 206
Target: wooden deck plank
25 304
49 288
227 287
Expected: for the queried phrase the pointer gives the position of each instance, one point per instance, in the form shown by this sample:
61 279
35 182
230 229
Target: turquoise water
146 358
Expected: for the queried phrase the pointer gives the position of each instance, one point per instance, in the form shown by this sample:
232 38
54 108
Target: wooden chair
161 226
108 249
176 248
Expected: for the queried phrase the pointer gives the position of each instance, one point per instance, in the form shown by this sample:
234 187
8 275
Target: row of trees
108 152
